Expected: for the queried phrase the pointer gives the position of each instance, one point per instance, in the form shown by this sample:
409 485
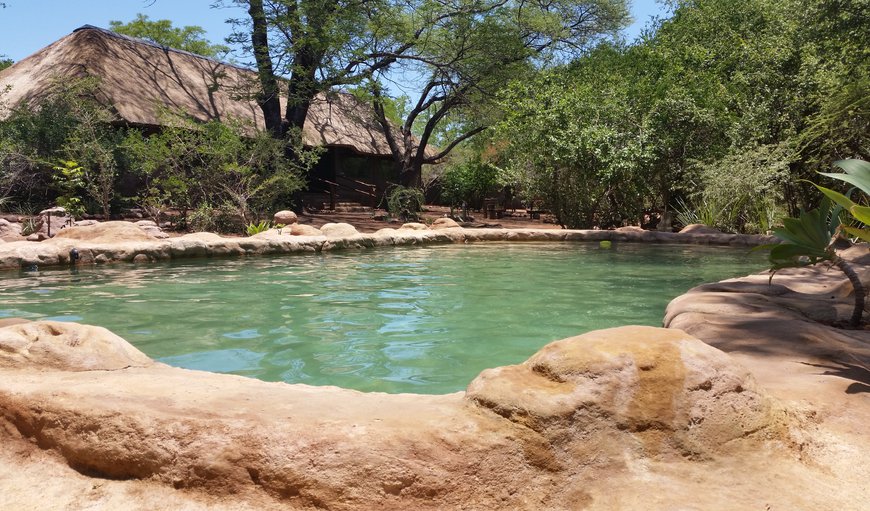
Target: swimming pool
405 319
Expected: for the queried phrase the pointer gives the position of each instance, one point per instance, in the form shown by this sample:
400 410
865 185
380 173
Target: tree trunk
409 174
857 287
268 97
302 88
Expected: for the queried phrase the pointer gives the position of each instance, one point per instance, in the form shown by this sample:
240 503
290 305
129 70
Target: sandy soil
364 222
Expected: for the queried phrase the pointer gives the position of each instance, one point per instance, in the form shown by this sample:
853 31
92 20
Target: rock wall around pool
123 241
531 436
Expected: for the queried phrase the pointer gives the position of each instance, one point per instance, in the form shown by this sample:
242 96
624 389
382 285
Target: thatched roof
139 80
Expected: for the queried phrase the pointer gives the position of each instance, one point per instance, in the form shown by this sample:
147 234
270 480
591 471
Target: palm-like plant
810 238
857 174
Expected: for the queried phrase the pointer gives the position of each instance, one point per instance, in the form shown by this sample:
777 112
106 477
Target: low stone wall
122 241
522 437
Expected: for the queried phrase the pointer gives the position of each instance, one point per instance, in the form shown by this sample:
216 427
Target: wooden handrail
361 183
337 185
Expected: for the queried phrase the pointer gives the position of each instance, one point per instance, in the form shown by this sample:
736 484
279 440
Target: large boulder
285 217
152 228
9 229
669 390
444 223
203 236
66 347
302 230
52 221
699 229
414 226
289 230
630 228
339 230
106 232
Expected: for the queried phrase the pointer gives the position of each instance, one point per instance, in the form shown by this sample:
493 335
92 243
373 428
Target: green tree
5 62
463 48
470 182
468 51
737 96
310 46
187 38
577 145
216 169
67 124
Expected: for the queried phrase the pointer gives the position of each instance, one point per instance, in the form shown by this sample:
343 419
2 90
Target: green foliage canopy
725 105
187 38
216 165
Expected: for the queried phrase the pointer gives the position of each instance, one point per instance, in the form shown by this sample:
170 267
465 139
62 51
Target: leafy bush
188 165
470 182
567 148
69 178
253 228
184 167
222 219
406 203
68 123
744 192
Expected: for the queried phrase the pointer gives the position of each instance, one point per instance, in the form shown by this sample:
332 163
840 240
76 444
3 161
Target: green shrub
187 165
744 192
221 219
253 228
469 182
69 178
406 203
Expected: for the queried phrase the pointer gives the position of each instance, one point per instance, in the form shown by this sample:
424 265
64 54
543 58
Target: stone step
353 209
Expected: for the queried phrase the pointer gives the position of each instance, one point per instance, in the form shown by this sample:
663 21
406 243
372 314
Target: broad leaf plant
810 239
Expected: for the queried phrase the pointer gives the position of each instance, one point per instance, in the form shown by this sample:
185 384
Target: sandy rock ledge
635 406
109 242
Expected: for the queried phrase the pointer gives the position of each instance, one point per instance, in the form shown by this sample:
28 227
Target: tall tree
463 48
315 45
187 38
470 50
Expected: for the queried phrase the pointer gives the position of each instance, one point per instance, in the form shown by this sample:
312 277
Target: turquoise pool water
424 320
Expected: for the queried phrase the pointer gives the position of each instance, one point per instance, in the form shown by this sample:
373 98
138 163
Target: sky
28 25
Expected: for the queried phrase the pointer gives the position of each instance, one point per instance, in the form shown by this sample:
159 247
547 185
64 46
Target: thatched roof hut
139 80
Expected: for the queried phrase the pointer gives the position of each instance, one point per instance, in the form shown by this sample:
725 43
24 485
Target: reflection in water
394 320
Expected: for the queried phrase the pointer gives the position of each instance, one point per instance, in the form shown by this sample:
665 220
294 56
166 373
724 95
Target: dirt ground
365 222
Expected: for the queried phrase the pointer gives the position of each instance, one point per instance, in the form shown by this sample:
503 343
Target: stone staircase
352 207
320 202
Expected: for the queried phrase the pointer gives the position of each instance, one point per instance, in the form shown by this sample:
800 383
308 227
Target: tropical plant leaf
788 251
815 226
857 173
854 166
861 213
862 233
786 234
810 230
835 196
